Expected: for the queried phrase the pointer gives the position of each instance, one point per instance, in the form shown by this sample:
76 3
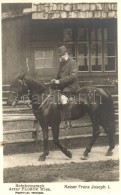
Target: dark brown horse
96 102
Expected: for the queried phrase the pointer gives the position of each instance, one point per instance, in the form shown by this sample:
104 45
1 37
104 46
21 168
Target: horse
96 102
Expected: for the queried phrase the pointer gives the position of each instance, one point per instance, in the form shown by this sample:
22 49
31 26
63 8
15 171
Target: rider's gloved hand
54 81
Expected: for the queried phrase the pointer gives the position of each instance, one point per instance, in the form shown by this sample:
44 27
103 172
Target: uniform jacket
67 76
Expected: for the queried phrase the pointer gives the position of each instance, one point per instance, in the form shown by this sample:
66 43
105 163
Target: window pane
96 64
83 61
39 54
83 68
109 63
96 49
96 68
39 63
96 61
43 58
82 34
99 34
68 35
93 35
48 63
105 34
82 49
109 49
83 64
48 53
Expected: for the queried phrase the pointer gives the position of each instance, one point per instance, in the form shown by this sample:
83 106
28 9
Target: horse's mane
35 84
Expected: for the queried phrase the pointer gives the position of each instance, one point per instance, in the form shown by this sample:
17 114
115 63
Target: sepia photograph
60 100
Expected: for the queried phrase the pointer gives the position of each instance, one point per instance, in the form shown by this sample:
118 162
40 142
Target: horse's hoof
69 154
42 158
84 157
109 153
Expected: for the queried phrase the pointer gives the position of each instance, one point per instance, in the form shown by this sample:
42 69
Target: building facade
30 40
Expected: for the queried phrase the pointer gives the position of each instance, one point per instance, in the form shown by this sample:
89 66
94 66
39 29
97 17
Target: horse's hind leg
111 141
96 133
55 131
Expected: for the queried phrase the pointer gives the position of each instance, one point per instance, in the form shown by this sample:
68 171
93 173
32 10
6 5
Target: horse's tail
110 112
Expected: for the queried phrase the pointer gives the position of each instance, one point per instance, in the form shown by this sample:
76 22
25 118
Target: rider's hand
54 81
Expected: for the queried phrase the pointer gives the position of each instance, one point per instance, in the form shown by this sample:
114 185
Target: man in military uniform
66 80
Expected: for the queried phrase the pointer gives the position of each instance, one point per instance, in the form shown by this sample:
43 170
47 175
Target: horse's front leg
55 132
96 133
45 142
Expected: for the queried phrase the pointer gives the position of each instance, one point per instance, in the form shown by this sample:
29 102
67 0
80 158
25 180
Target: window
96 49
83 50
109 51
93 47
43 58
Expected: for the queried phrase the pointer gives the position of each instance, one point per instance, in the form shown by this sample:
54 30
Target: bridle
23 83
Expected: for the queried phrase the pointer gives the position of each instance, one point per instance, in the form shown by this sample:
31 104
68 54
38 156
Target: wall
21 35
15 46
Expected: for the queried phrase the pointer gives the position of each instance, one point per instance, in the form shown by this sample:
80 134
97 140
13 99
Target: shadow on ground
86 172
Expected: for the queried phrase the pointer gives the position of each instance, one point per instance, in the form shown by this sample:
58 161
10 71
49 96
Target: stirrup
68 124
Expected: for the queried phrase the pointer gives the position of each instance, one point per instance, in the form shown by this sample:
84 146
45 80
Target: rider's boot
66 110
67 116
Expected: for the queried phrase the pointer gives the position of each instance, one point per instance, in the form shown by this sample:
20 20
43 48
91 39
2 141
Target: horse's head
24 84
21 87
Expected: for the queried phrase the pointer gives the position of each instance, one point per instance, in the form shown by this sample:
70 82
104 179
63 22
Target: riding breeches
63 99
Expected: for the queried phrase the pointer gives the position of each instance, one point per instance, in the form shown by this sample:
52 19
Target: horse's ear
22 75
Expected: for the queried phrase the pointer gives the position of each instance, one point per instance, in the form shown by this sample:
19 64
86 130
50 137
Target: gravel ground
72 172
57 157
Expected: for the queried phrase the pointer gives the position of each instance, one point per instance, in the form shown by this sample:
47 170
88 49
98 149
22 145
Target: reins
43 102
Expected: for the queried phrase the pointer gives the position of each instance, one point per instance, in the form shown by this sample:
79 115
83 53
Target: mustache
63 60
